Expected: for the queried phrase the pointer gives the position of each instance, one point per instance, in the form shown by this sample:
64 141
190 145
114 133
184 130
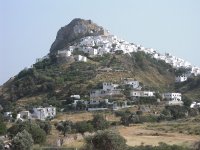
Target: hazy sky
28 27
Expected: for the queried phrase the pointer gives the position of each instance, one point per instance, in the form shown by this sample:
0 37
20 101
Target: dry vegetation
84 116
138 134
147 134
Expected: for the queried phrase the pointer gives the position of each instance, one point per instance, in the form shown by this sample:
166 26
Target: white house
173 98
133 83
64 53
24 115
81 101
89 50
44 113
195 105
75 96
8 114
117 106
98 101
109 86
180 78
81 58
97 93
134 93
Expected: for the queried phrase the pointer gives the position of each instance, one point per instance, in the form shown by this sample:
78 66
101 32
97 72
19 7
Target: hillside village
73 80
101 99
103 44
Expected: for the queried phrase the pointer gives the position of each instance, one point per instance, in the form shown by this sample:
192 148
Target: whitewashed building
133 83
24 115
79 101
180 78
107 86
75 96
134 93
195 105
98 101
173 98
8 114
80 58
44 113
64 53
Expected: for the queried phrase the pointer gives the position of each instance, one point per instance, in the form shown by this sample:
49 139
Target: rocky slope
75 30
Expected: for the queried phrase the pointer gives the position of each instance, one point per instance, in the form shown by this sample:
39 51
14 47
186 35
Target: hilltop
83 56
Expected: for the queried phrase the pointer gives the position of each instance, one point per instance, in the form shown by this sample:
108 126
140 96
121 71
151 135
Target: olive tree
22 141
105 140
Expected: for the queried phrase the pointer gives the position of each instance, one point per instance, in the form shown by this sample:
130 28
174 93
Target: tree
22 141
99 122
186 101
45 125
83 127
2 128
80 106
177 111
1 145
105 140
38 135
65 127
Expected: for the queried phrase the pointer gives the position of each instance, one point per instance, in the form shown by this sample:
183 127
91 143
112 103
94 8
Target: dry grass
84 116
137 135
147 134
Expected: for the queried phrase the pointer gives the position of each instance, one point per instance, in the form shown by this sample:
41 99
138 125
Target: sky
29 27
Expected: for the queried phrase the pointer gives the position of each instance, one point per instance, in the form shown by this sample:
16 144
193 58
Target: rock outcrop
76 29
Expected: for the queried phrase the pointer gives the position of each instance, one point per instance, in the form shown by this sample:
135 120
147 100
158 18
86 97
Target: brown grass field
137 135
147 133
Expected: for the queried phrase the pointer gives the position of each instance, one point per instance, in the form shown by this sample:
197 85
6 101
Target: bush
65 127
99 122
45 125
177 111
3 128
161 146
122 113
1 145
22 141
38 135
83 127
132 119
105 140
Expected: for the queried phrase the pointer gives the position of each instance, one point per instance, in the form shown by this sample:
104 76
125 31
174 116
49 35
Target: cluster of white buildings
40 113
102 44
178 63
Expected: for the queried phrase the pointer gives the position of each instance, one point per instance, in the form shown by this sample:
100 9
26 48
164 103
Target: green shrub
38 134
83 127
22 141
105 140
99 122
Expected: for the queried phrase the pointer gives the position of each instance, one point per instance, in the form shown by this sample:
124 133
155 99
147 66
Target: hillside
50 79
190 88
109 59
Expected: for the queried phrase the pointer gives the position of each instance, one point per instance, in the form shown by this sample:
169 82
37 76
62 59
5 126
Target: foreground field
179 132
137 135
84 116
